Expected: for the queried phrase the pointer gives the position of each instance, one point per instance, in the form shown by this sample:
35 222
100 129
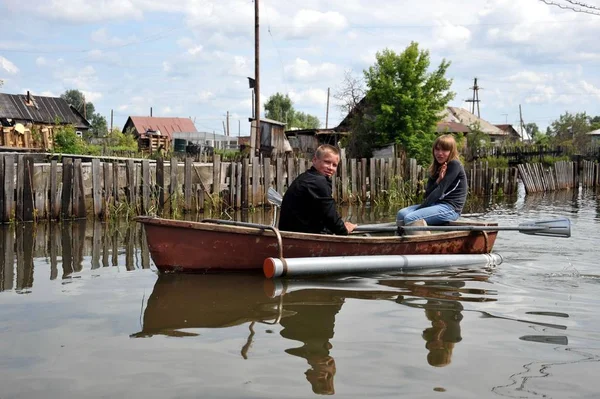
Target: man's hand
350 227
442 172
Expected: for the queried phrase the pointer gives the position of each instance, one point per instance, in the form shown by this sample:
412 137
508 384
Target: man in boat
308 205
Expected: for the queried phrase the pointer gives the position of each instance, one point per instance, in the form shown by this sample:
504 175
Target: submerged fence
75 189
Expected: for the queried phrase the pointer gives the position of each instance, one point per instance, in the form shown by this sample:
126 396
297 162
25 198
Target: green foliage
305 121
118 141
493 162
548 160
570 130
405 100
279 107
66 141
476 138
98 122
594 123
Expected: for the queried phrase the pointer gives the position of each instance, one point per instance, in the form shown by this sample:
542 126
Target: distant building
306 141
273 141
511 131
139 126
156 133
595 138
460 115
29 121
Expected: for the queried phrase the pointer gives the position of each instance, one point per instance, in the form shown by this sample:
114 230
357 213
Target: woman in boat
308 205
446 190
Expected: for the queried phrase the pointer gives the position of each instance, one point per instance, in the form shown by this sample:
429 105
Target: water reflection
67 246
306 310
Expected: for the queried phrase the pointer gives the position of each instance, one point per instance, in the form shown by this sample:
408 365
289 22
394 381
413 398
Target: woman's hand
442 172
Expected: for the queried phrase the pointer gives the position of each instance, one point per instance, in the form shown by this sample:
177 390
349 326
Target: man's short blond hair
324 148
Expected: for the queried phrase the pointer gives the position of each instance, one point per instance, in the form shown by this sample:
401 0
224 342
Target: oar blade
274 197
558 227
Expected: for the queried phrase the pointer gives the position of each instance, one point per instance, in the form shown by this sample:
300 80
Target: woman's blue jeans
434 215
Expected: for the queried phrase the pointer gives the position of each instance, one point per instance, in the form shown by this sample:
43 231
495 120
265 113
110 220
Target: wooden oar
559 227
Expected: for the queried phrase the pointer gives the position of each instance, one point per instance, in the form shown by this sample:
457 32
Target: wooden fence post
96 188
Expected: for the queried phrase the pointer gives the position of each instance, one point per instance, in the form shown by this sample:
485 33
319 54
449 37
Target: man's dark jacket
308 206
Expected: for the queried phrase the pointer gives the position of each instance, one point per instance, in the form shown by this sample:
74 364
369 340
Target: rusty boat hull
186 246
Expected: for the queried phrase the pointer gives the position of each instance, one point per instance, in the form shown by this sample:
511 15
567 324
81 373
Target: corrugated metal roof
167 126
452 127
42 110
267 120
461 115
594 132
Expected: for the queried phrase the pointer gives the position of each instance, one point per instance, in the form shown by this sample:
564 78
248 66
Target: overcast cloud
191 58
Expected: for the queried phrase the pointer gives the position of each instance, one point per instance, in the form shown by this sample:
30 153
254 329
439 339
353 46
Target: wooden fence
562 175
75 189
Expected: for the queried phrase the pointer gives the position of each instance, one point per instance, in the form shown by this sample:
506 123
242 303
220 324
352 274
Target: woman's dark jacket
308 206
452 190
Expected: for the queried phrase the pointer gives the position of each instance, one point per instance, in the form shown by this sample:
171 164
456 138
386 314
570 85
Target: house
29 121
444 127
595 138
156 133
512 132
273 141
460 115
306 141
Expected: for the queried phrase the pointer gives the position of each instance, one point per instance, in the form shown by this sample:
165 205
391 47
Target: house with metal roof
28 121
595 137
462 116
141 126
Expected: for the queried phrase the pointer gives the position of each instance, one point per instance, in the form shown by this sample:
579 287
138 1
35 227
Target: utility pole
150 111
84 108
522 124
228 123
475 99
327 112
111 120
257 75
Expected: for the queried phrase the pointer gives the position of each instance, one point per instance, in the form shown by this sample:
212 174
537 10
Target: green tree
98 122
305 121
279 107
570 130
66 141
595 123
405 99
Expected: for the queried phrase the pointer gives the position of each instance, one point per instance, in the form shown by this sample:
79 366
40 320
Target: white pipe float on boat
287 267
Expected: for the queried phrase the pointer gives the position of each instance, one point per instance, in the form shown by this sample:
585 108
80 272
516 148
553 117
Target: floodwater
84 314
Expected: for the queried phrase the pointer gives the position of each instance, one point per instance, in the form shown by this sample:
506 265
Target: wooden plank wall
167 187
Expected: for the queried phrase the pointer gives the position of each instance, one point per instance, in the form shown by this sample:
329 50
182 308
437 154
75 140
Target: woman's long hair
445 142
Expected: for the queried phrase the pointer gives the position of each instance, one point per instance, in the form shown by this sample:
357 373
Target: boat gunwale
255 231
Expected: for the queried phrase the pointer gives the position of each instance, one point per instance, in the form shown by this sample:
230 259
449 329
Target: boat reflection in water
305 310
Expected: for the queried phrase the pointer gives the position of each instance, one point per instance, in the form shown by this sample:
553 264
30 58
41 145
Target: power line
566 7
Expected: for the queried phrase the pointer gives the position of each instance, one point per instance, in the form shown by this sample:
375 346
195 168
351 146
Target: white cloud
308 97
92 96
8 66
304 71
312 22
204 96
101 36
81 79
447 34
195 50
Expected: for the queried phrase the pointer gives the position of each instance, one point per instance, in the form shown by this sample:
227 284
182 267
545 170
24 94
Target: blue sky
190 58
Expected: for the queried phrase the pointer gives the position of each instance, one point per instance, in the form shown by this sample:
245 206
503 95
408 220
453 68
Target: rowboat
223 246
